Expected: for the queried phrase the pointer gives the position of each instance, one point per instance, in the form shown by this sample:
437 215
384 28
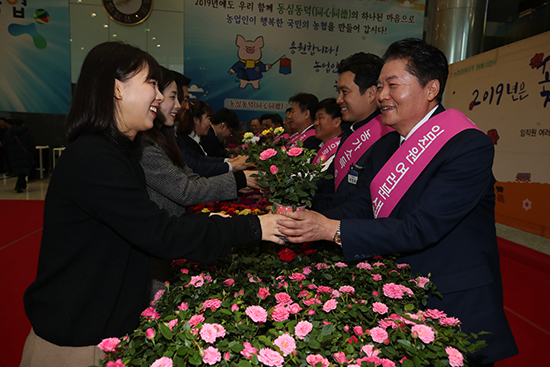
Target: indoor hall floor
36 190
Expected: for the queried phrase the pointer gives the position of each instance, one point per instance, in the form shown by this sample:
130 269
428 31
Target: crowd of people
141 153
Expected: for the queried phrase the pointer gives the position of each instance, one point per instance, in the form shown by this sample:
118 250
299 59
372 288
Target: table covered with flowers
291 305
294 305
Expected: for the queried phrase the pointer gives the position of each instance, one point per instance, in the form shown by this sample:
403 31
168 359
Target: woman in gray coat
171 184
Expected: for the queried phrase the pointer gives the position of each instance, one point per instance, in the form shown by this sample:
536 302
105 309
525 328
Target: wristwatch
338 236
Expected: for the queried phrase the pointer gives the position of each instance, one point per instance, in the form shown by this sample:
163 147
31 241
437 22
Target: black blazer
192 144
212 145
326 197
312 142
444 225
200 164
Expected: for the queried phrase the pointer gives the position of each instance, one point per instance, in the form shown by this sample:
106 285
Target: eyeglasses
230 129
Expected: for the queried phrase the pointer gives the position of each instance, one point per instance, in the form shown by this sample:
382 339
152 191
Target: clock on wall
128 12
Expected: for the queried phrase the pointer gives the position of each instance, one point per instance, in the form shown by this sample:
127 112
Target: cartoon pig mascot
249 68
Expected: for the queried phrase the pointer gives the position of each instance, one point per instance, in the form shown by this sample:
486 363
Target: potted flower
293 306
289 175
250 144
268 139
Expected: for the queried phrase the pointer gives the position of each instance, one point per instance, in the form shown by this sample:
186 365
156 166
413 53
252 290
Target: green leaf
327 329
409 307
165 330
245 363
195 359
407 345
314 344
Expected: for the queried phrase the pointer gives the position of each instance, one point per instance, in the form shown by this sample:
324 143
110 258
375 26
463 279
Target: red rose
286 255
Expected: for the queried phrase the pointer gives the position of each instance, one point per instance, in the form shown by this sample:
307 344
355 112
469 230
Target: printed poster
506 92
35 56
252 56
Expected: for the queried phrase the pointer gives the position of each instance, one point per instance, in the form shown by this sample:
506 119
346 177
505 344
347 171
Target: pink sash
279 137
356 145
327 149
412 157
301 137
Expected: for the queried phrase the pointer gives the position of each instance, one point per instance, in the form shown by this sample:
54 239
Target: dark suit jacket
192 144
312 142
212 145
200 164
326 197
444 225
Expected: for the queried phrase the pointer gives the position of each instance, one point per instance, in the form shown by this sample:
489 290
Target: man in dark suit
224 122
443 225
357 100
302 114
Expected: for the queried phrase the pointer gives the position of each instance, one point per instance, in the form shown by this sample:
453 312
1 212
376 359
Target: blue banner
35 56
251 56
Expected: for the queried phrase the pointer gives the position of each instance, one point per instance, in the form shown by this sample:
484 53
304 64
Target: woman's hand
239 163
252 182
270 228
223 215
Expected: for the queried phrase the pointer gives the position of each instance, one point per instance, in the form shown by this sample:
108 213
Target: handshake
298 227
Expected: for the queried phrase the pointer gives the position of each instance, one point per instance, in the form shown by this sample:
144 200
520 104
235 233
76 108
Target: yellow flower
279 131
247 136
205 210
245 212
267 131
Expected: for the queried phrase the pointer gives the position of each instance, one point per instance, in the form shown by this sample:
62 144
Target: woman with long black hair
100 227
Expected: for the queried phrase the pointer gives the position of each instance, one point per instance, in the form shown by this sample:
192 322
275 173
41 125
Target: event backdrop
506 92
35 56
251 56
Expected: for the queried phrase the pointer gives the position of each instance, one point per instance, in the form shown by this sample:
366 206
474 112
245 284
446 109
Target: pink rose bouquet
288 174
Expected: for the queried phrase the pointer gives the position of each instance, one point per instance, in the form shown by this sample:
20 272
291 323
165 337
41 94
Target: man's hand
305 226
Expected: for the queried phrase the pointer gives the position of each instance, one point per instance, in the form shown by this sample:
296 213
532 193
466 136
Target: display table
40 148
56 154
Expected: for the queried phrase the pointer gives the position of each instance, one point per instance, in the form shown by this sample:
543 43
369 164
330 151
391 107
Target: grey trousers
41 353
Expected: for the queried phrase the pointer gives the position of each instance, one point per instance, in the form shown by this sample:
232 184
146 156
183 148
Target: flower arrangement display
243 207
296 306
251 144
288 174
268 139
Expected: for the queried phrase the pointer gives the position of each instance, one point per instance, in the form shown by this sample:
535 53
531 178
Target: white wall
161 34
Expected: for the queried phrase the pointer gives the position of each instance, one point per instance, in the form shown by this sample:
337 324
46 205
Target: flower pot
279 208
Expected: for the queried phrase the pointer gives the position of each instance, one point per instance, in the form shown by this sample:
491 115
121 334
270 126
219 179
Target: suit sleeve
203 166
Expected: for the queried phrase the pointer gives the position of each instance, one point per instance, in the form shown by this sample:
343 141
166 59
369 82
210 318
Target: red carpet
21 223
526 280
525 273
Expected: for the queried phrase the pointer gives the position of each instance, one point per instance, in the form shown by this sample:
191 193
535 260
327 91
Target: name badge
353 176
